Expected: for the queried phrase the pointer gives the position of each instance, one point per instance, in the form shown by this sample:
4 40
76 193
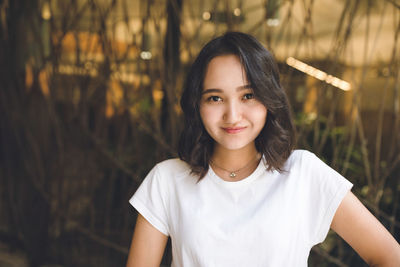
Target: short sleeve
150 200
328 188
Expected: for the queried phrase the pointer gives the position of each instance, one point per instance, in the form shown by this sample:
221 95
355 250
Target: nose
233 112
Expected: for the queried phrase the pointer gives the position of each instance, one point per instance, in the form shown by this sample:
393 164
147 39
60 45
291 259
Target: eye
214 98
248 96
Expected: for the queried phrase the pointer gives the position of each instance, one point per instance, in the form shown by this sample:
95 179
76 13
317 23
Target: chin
235 146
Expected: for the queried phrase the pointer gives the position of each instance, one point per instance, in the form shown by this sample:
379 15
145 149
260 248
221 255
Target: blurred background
89 102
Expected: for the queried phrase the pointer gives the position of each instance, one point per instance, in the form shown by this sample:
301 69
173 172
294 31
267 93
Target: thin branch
108 155
97 238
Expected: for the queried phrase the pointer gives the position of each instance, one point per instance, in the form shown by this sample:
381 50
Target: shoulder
300 158
174 164
173 168
302 154
165 174
306 164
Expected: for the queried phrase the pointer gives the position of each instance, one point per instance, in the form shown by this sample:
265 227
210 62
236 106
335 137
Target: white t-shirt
266 219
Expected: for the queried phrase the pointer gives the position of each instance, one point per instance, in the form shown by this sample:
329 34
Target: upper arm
362 231
148 244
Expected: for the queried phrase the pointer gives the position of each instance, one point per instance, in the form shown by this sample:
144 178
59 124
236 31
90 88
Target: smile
233 130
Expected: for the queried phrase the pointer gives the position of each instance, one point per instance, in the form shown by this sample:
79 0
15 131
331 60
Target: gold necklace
233 174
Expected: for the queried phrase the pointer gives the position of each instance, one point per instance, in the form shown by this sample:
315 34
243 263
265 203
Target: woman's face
229 112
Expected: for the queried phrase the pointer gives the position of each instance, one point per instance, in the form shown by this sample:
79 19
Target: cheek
261 116
207 114
203 114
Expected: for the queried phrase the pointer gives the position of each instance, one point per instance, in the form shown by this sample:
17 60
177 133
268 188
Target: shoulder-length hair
275 141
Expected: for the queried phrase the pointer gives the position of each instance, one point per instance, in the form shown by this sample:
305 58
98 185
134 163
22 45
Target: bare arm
147 247
362 231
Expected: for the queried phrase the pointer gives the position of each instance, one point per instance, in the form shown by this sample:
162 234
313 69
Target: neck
234 159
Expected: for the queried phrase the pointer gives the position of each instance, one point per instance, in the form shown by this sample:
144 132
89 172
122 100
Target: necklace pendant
232 175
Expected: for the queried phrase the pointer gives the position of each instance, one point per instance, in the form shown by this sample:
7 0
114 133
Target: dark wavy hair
275 141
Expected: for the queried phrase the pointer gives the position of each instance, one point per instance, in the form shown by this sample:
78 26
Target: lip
233 130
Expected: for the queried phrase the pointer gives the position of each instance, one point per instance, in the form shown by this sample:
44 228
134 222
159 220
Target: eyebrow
217 90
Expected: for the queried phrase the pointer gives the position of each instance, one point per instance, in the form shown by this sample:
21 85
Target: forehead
224 71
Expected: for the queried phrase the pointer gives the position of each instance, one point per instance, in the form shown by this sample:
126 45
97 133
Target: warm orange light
318 74
206 15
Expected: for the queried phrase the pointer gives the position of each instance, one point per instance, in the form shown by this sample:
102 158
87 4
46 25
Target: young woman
240 195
